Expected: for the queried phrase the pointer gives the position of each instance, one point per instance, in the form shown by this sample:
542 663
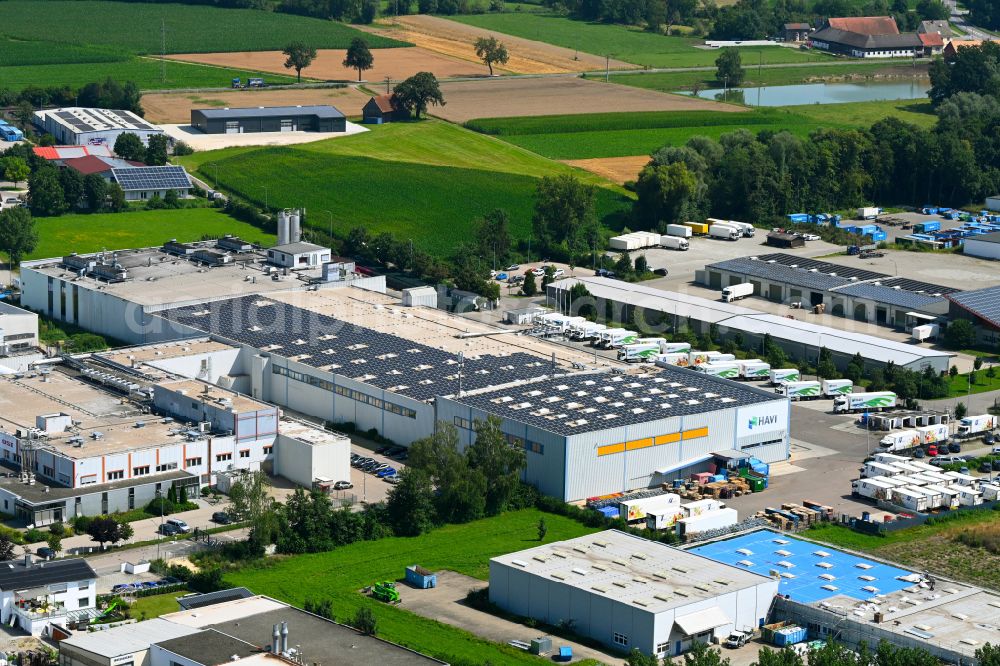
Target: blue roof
890 296
806 586
780 273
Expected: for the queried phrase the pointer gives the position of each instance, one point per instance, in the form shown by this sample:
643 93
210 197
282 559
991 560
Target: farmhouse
796 32
866 37
951 50
80 126
318 118
378 110
942 28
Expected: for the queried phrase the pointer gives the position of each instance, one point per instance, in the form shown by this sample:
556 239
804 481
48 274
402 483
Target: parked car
343 485
500 277
538 272
932 450
179 525
558 272
737 639
166 529
660 271
394 479
918 453
388 471
46 552
947 460
996 450
810 237
221 517
954 447
513 267
149 584
995 465
381 450
121 588
986 468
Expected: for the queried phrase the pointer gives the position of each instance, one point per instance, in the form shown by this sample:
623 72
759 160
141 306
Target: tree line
107 94
771 174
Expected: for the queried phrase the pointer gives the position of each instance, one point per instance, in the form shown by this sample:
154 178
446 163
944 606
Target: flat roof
985 238
41 493
81 120
311 434
210 647
15 575
648 575
750 267
299 248
891 296
588 402
318 110
163 351
127 639
212 393
11 309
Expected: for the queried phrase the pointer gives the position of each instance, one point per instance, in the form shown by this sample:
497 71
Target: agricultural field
136 27
372 180
91 233
340 574
35 52
623 43
175 107
866 114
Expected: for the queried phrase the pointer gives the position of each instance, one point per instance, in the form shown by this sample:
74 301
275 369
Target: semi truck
674 242
799 390
679 230
724 370
699 228
899 441
971 426
585 330
784 375
873 401
725 232
611 338
735 292
745 229
640 351
754 370
835 387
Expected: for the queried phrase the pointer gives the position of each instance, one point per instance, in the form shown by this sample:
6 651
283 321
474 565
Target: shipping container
868 213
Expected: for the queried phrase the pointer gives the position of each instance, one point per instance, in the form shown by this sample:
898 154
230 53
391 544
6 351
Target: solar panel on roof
152 178
984 303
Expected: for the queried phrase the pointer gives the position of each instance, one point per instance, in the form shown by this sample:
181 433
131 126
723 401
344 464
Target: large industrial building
80 126
665 311
319 118
986 246
631 593
982 308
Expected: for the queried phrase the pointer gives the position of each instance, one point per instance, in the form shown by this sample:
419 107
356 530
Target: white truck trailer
874 469
679 359
585 330
799 390
868 213
754 370
835 387
735 292
872 401
784 375
746 230
637 509
679 230
712 520
971 426
725 232
639 352
909 498
674 347
925 332
612 338
872 488
674 242
899 441
933 434
696 358
724 370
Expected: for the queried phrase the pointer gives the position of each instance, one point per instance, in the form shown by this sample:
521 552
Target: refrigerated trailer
971 426
724 370
725 232
784 375
746 230
734 292
864 402
799 390
674 242
755 370
899 441
679 359
833 387
674 347
696 358
679 230
612 338
640 351
933 434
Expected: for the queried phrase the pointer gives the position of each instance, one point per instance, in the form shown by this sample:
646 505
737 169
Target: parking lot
368 487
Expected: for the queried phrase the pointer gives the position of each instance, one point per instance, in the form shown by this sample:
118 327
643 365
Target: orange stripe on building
695 433
639 444
668 439
104 476
610 448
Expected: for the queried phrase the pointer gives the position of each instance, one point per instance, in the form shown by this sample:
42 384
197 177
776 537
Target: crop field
136 27
91 233
372 180
629 44
31 52
339 576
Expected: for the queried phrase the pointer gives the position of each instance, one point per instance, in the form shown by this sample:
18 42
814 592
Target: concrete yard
201 141
446 603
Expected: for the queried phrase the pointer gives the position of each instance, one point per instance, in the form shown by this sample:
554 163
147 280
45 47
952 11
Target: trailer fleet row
918 486
677 235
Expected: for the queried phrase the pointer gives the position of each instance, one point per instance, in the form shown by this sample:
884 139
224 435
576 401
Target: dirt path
615 169
455 40
397 64
175 108
506 97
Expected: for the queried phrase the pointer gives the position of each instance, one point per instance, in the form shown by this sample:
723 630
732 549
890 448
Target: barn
378 110
318 118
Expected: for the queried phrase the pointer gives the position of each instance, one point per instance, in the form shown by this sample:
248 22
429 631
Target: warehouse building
629 593
589 434
986 246
78 126
659 312
318 118
982 307
18 329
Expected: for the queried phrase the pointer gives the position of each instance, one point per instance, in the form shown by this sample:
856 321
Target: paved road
960 17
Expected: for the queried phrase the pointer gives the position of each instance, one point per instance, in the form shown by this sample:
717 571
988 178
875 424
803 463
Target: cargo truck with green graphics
783 375
800 390
874 401
642 351
754 370
835 387
724 370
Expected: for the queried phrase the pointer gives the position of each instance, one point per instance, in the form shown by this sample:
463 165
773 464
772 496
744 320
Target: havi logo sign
758 419
761 421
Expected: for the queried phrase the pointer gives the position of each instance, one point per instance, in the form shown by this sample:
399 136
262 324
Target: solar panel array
890 296
589 401
780 273
152 178
386 361
983 303
807 264
917 286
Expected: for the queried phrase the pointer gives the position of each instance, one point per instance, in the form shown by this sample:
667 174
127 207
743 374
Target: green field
373 179
136 27
23 52
623 43
155 605
777 76
91 233
466 549
572 137
147 73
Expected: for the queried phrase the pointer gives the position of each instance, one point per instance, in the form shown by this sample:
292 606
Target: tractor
386 591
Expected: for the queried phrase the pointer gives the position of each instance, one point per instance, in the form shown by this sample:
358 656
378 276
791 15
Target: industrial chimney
276 639
284 638
295 227
283 228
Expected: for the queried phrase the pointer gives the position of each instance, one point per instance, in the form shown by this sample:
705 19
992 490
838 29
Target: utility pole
388 80
163 50
607 67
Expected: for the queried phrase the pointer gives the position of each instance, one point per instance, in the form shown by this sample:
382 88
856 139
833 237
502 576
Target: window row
359 396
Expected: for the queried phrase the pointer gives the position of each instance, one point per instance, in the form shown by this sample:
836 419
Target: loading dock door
714 280
881 315
815 297
774 292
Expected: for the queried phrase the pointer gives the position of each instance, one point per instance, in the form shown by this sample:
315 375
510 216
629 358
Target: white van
179 524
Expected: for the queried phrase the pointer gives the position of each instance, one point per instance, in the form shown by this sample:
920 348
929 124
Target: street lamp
159 536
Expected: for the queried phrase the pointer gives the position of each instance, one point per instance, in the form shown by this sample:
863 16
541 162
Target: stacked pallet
806 516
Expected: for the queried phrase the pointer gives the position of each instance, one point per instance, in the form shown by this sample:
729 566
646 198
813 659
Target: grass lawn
146 608
372 180
928 547
624 43
147 73
778 76
866 114
340 574
136 27
959 385
91 233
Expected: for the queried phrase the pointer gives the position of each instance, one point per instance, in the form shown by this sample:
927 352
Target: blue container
927 226
879 236
565 653
866 516
798 217
719 478
421 578
610 511
678 483
789 636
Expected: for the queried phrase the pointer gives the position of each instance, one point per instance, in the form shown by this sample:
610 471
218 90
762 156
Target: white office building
79 126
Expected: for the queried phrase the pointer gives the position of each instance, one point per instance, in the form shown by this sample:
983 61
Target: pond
820 93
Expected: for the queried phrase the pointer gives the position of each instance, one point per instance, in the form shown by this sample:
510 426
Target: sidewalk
145 530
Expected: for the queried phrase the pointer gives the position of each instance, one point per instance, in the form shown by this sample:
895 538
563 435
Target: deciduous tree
359 57
491 51
729 67
156 151
415 93
410 504
128 146
95 191
45 193
298 56
18 236
16 169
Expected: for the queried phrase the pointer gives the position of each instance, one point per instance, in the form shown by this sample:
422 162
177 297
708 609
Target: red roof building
70 152
951 50
378 110
865 25
933 42
101 165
